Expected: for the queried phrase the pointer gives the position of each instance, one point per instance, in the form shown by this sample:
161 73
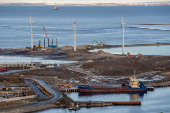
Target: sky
78 1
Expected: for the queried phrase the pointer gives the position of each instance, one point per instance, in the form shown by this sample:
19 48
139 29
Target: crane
123 24
96 42
46 36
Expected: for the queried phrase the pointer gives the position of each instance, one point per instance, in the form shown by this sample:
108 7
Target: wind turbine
74 25
122 25
31 33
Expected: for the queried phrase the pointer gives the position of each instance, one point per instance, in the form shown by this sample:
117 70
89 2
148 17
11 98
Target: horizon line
83 3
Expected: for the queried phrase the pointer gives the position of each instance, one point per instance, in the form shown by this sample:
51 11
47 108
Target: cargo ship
134 86
55 8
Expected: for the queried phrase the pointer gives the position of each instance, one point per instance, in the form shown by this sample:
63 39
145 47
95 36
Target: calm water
6 59
145 50
152 102
94 23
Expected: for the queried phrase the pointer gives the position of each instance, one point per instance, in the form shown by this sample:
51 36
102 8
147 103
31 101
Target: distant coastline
90 4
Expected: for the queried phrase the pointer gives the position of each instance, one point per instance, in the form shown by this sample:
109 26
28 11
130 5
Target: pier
69 90
103 103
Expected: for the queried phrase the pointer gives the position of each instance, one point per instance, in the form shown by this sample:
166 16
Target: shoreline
99 67
66 53
92 47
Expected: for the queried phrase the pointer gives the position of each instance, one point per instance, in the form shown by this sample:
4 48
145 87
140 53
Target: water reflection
152 102
134 96
6 59
145 50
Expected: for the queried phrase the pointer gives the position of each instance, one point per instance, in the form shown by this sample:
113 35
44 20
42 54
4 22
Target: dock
104 103
69 90
99 104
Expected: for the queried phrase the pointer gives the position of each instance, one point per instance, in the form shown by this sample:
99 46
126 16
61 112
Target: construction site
99 64
98 67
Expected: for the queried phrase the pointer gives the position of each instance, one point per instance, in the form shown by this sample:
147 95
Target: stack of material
81 47
66 48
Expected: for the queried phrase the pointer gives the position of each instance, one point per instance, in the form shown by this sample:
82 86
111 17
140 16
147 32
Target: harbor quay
62 100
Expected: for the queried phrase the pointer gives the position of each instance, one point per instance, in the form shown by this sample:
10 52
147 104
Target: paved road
35 89
49 88
13 71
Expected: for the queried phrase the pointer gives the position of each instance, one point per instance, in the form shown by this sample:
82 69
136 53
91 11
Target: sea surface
151 102
102 24
22 59
145 50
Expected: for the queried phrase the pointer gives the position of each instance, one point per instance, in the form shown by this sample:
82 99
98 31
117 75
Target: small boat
134 86
74 108
77 106
70 108
55 8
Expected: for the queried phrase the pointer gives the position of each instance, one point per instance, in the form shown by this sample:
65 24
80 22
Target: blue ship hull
107 89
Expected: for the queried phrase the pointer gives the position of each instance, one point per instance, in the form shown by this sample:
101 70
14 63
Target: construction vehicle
88 52
130 55
67 85
2 69
46 35
36 48
142 59
96 42
101 43
160 68
49 45
43 91
139 54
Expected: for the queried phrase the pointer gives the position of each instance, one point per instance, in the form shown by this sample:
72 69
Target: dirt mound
59 72
81 47
66 48
126 66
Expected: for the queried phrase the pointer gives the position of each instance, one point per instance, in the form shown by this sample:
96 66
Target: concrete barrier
16 98
20 64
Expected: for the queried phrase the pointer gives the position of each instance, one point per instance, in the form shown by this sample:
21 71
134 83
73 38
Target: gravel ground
105 67
107 71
